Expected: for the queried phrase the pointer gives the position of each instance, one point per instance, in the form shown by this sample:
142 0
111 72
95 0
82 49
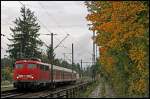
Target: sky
58 17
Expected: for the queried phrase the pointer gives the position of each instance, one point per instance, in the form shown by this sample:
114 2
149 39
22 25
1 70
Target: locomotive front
25 74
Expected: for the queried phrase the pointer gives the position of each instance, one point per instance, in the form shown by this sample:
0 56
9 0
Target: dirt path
95 93
103 90
109 92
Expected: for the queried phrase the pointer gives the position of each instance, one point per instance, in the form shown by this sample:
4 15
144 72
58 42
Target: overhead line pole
93 48
52 60
81 68
72 59
93 55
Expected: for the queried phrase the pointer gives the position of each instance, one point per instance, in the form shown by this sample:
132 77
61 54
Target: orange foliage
102 49
116 23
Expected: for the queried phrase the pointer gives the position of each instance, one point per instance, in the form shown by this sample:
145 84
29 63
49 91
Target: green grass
103 90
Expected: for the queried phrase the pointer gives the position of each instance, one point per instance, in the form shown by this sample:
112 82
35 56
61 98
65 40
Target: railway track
11 93
44 93
35 94
65 92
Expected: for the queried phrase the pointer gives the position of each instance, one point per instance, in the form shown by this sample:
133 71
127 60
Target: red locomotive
29 73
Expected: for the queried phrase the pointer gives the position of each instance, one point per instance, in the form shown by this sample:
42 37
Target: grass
103 89
6 88
6 83
88 91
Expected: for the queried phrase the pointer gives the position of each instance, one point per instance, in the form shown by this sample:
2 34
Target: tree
65 64
44 58
123 32
57 62
24 38
50 53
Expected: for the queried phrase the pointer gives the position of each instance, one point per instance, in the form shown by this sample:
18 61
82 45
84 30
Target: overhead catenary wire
21 3
52 18
38 20
54 21
44 27
48 30
68 58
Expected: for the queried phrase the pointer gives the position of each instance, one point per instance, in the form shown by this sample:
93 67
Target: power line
37 19
43 25
21 3
68 58
55 22
61 41
52 18
62 44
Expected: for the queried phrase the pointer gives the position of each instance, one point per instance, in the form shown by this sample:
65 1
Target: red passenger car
31 73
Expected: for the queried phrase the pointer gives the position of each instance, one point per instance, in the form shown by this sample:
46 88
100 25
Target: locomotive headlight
29 76
19 76
25 76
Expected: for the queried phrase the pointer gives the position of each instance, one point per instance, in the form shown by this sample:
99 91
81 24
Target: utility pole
81 68
52 60
93 56
72 58
93 49
96 53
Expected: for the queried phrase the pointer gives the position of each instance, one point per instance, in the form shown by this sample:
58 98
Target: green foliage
7 74
50 54
24 38
95 70
7 62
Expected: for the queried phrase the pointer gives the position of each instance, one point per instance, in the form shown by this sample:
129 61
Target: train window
19 66
46 68
31 66
42 67
38 65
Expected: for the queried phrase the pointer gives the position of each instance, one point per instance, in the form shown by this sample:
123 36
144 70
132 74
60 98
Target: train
33 73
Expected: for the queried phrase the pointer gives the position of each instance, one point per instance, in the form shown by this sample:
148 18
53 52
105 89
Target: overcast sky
59 17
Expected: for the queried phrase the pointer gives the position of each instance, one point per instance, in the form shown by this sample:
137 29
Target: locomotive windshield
31 66
19 66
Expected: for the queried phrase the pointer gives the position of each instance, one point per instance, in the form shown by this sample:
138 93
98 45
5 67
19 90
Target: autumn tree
122 29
